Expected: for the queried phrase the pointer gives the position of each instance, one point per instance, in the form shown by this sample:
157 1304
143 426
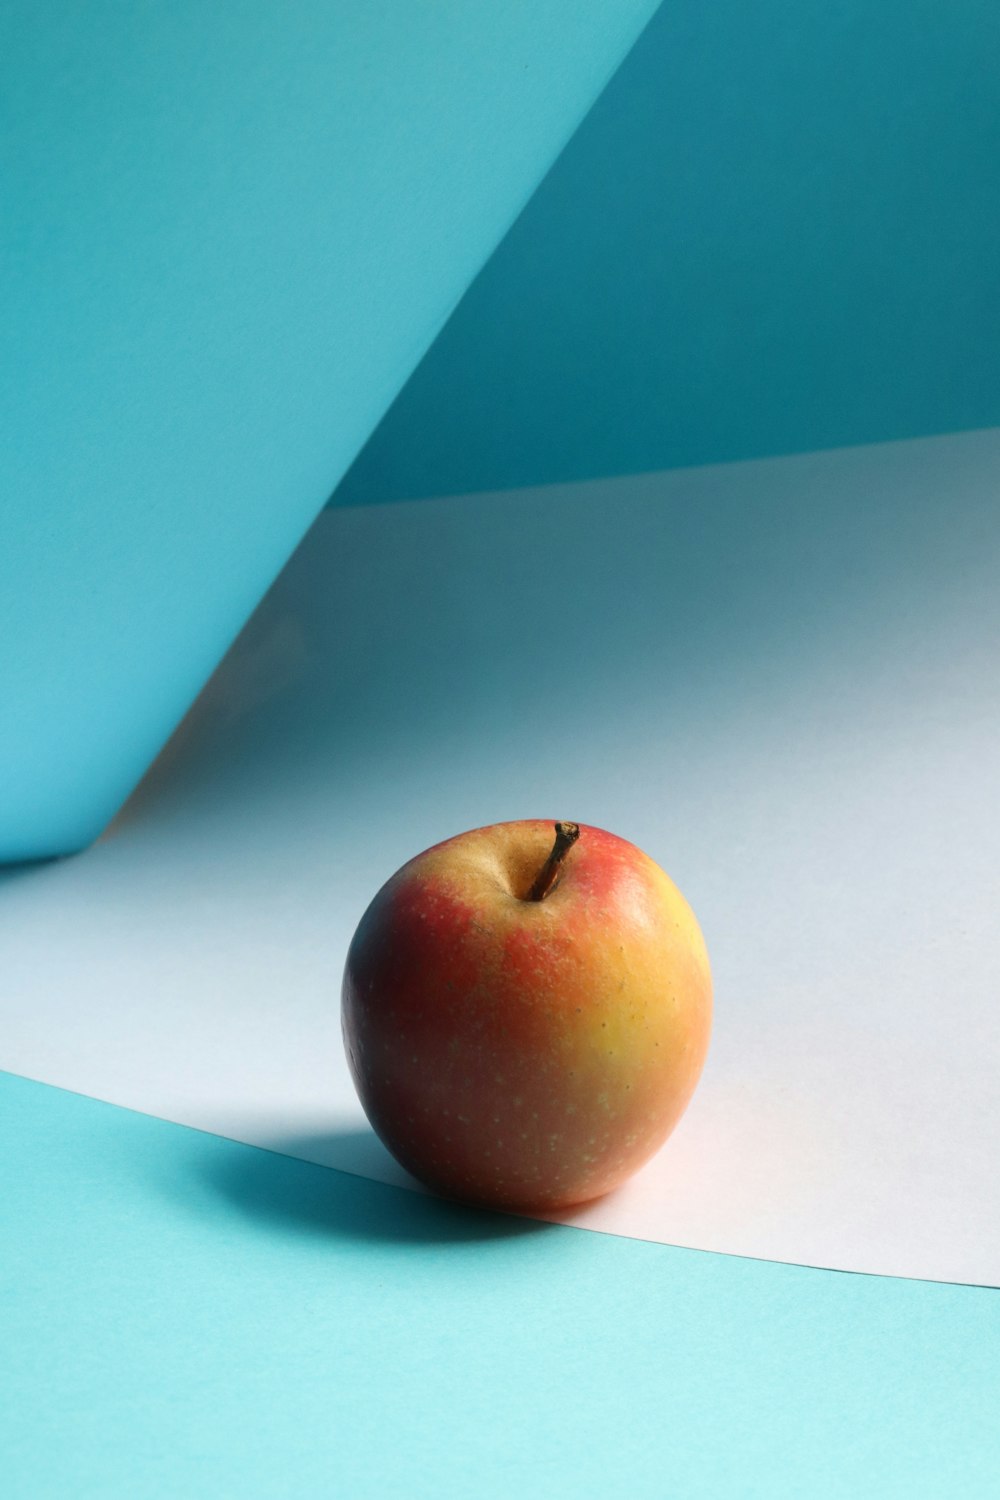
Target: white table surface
780 678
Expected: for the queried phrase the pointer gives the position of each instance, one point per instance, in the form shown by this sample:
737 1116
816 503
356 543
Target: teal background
228 234
180 1315
777 231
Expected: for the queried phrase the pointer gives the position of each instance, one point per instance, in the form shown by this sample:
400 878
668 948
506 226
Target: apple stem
566 836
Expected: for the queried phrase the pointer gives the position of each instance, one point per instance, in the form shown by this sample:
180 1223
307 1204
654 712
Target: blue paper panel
185 1316
778 230
229 233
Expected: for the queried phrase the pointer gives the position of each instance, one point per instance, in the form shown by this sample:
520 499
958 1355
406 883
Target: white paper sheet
779 678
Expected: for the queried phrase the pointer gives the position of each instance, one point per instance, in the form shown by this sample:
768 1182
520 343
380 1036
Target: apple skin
526 1054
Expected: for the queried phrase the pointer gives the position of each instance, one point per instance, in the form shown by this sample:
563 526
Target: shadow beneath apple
347 1148
285 1194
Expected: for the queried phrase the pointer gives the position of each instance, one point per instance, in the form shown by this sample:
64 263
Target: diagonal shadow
287 1195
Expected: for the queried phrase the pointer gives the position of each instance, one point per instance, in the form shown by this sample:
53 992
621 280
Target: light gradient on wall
777 231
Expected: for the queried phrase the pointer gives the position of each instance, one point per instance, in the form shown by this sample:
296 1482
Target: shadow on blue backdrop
178 1325
282 1194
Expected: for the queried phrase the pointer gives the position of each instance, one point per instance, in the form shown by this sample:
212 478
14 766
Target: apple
526 1011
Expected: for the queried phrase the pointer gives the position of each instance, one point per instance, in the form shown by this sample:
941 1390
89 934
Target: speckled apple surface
779 679
520 1051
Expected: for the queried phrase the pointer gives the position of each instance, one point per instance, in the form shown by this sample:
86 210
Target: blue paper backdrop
183 1316
228 234
778 230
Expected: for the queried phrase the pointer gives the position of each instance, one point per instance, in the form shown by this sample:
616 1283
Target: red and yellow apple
526 1011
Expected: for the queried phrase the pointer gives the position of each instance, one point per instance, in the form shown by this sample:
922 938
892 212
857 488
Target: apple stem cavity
547 877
